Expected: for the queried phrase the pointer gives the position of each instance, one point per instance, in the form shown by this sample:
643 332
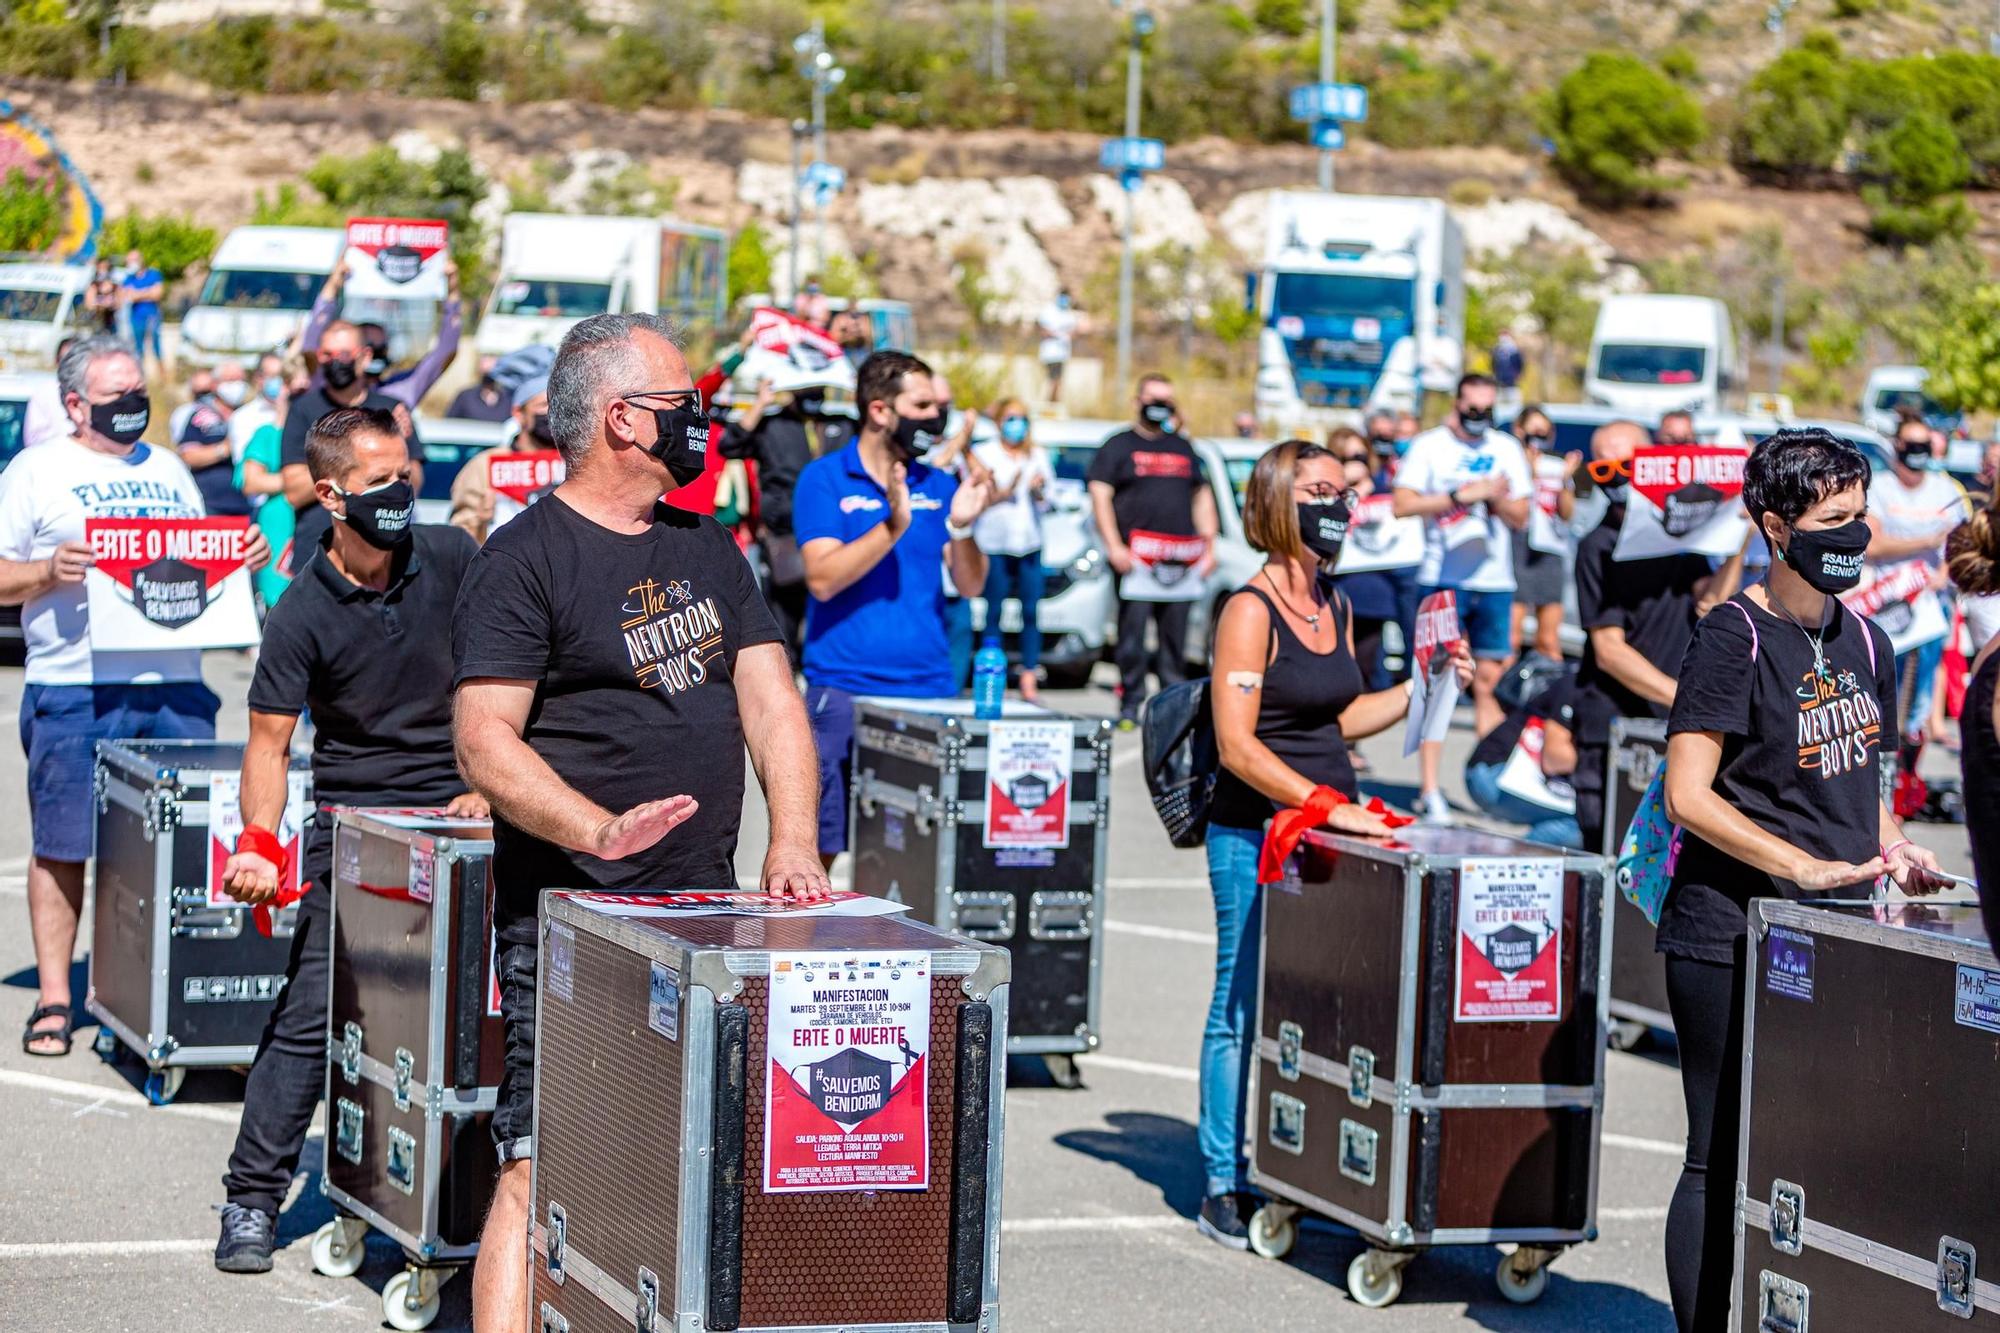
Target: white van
40 305
1653 354
1892 388
261 284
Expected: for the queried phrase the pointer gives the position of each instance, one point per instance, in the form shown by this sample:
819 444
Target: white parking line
1162 884
1178 1073
99 1097
102 1249
1042 1226
1658 1147
1651 1214
1160 932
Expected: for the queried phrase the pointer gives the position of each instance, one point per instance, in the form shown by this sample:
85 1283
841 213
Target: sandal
31 1034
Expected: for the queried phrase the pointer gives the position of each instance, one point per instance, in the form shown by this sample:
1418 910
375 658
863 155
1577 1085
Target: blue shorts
60 728
1487 621
830 712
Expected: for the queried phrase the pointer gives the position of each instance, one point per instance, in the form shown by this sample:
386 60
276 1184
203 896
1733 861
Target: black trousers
1169 660
1706 1001
289 1074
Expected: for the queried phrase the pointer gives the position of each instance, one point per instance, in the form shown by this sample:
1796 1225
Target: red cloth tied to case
1289 826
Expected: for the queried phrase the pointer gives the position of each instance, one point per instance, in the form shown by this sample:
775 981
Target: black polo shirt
300 417
375 669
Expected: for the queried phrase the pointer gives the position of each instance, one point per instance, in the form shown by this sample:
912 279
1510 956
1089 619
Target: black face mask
1323 526
340 374
683 436
809 403
1160 416
1474 420
1830 559
1537 441
1382 444
382 516
917 436
1916 457
538 430
123 419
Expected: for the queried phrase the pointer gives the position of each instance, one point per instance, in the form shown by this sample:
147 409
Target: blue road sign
1328 136
825 178
1132 155
1329 101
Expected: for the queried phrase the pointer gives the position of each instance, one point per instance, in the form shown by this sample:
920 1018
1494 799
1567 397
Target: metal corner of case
710 969
995 969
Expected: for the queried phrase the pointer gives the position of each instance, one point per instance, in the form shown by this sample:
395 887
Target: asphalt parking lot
106 1203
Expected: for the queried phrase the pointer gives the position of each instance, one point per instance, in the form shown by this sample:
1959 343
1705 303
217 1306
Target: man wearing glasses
1637 615
613 660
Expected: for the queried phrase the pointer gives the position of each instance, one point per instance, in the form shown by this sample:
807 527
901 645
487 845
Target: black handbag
1177 740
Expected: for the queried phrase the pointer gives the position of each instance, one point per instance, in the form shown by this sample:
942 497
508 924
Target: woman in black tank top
1974 554
1287 697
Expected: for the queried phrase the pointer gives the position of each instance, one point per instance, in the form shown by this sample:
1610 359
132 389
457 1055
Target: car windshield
1341 296
551 298
1642 363
13 421
30 306
1072 461
260 289
1239 477
1914 400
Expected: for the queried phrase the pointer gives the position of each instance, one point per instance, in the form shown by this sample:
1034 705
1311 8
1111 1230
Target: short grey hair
595 364
73 371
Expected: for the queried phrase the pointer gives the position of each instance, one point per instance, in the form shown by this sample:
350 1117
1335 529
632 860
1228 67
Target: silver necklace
1818 641
1312 621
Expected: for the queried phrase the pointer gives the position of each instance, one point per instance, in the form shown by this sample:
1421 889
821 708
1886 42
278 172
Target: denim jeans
1018 576
1229 1037
1544 825
958 629
1924 660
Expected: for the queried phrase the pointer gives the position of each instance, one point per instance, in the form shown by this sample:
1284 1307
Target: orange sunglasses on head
1604 471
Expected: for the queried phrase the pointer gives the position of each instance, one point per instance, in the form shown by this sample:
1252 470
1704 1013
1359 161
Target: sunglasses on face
1604 471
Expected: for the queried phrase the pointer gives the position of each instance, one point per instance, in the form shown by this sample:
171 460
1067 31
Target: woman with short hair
1786 699
1287 697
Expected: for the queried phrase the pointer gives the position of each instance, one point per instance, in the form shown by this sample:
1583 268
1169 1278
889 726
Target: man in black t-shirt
1156 518
613 661
343 366
1638 616
1554 707
361 640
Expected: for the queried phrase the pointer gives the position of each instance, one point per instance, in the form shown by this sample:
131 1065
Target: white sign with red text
1027 784
1434 678
397 259
1509 940
225 826
1901 601
168 583
736 902
1686 500
847 1088
1377 539
1164 568
1546 532
792 354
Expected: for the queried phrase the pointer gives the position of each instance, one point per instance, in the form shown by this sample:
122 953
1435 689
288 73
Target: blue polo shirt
886 633
144 278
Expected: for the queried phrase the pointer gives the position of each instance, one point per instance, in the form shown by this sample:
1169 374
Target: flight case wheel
1063 1069
1625 1035
163 1085
1522 1286
1274 1230
1374 1279
339 1247
410 1300
106 1043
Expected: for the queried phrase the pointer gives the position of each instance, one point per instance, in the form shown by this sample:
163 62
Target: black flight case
178 975
414 1050
1871 1074
923 834
652 1102
1391 1090
1638 974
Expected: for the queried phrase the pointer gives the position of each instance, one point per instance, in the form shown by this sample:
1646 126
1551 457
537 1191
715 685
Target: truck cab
40 305
1362 301
557 270
1658 353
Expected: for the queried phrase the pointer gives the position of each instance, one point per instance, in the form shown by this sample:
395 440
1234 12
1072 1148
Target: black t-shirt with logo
631 640
1799 758
1153 482
305 410
1652 600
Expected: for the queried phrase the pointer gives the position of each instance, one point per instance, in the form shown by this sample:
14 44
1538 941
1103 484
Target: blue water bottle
989 678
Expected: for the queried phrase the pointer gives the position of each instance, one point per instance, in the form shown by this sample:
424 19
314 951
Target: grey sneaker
1221 1221
248 1236
1432 808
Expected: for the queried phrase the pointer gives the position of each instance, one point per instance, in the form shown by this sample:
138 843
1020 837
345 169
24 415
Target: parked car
15 390
448 443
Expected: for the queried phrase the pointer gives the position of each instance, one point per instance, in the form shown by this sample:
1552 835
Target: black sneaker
248 1237
1221 1222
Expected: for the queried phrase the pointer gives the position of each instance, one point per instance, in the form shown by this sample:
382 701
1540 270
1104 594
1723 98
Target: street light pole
999 41
1141 23
1329 36
799 129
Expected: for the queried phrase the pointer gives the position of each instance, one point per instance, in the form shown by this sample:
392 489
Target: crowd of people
532 661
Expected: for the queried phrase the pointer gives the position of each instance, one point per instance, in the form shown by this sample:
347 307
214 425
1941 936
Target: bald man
1638 616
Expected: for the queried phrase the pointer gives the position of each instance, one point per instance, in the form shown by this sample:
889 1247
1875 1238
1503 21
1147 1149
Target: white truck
1894 389
557 269
1362 300
40 305
1655 353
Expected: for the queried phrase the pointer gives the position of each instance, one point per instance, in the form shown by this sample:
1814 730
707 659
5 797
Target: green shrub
44 50
172 243
1286 18
461 52
1793 116
749 263
31 212
235 53
1962 353
1678 63
1611 119
1418 16
1918 159
1920 224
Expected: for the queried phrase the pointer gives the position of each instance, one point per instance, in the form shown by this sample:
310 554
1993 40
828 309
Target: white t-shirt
1982 620
45 496
1935 504
45 419
1467 548
1058 326
246 421
1012 526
